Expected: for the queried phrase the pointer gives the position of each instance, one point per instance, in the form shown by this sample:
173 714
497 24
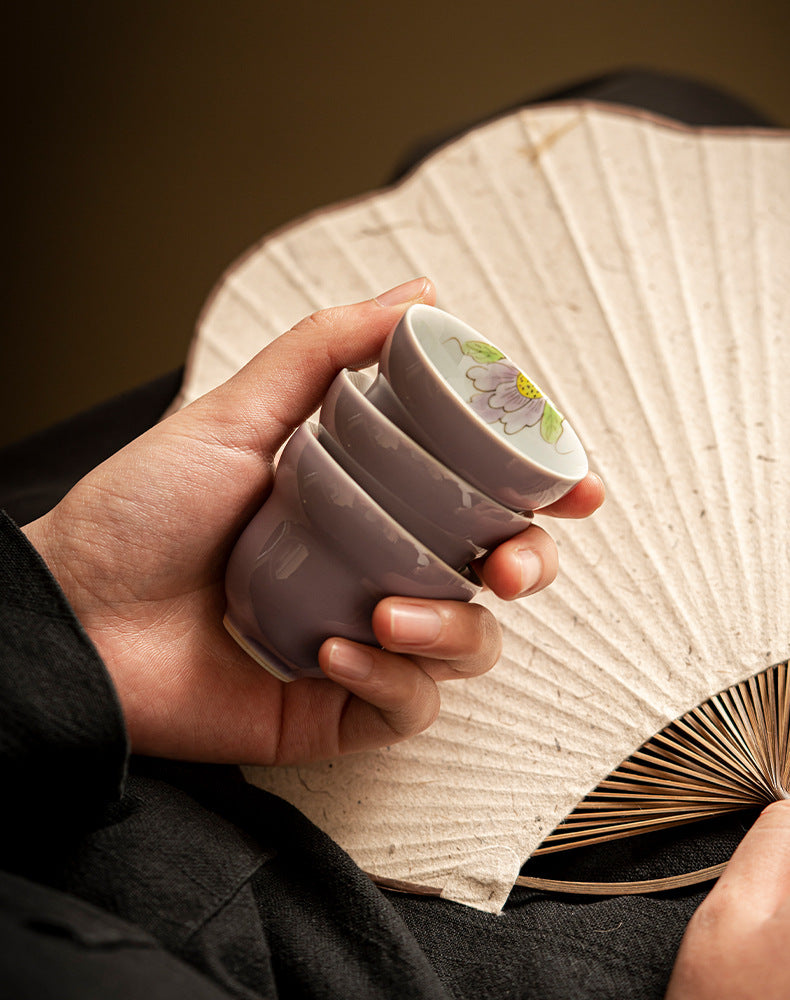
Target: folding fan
640 272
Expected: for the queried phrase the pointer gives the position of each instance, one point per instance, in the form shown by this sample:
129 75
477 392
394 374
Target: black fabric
79 755
144 878
556 946
53 945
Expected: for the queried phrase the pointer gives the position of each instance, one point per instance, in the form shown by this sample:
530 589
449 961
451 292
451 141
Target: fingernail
406 292
531 566
414 626
349 662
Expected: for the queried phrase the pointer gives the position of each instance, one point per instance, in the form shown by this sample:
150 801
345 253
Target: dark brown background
150 143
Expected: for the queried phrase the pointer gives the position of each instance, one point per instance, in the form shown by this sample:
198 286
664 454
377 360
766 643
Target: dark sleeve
63 745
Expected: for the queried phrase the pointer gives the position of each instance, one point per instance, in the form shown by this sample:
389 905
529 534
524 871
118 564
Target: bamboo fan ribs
728 754
639 272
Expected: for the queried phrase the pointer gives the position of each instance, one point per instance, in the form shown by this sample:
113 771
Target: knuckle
309 324
318 321
490 635
483 630
431 710
464 631
480 646
420 712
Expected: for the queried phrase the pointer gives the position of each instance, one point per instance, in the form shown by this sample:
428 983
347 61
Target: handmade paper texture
639 272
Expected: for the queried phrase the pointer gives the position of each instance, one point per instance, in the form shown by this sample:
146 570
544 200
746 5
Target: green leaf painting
550 424
481 352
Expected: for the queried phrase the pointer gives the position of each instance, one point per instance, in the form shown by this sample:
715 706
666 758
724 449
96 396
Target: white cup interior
497 391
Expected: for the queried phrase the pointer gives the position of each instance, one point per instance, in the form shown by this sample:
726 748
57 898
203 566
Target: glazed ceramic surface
315 561
455 551
476 411
452 517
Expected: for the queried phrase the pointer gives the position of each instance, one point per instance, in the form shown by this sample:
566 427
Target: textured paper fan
640 272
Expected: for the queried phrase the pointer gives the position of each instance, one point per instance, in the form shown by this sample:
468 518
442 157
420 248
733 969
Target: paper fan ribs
728 754
639 272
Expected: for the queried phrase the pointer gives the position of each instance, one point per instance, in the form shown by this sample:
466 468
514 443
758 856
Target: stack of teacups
403 483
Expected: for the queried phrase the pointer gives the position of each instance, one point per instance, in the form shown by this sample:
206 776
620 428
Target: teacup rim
406 323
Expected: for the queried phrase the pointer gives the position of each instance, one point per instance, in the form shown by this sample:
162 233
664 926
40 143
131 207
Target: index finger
259 406
585 497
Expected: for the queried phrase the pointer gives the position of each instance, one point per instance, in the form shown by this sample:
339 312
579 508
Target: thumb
282 385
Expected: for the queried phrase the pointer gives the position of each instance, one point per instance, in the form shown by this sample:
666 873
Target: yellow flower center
527 388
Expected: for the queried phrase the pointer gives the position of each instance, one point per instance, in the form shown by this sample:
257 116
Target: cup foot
261 656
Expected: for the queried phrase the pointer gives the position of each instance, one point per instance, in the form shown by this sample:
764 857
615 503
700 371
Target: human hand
140 545
735 946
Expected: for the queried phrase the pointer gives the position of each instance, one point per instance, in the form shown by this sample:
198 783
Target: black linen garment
170 880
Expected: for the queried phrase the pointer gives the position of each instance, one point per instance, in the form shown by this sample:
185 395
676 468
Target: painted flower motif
506 395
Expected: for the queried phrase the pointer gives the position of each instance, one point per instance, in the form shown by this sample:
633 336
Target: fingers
283 384
425 642
586 497
395 688
528 562
447 639
394 698
757 879
522 565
